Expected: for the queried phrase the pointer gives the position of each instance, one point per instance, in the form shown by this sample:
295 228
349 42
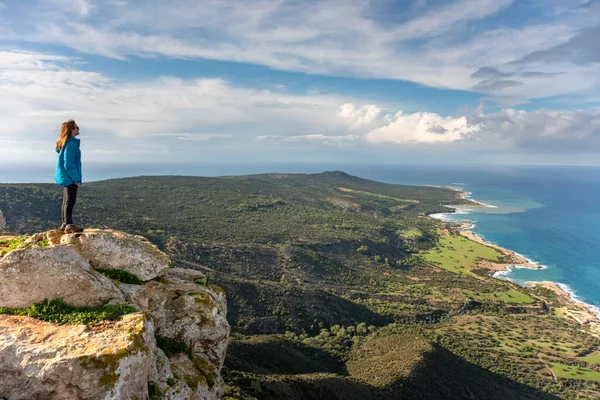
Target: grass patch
593 359
559 312
574 372
10 244
154 392
171 347
59 312
120 275
458 254
410 234
381 196
511 296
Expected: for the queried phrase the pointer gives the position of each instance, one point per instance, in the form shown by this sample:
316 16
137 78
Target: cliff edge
102 315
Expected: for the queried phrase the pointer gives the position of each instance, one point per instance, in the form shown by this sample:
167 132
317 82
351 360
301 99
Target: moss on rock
57 311
120 275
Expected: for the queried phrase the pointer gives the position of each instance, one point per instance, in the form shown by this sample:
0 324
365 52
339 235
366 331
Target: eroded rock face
110 360
112 249
40 360
191 313
31 275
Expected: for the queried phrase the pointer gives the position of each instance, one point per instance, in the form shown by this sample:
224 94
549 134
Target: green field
572 372
458 254
411 234
593 359
511 296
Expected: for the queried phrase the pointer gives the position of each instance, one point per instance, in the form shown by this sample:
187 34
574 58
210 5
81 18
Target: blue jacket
68 165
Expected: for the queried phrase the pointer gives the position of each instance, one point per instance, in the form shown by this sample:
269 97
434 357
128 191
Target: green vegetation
59 312
172 347
154 392
574 372
205 371
339 287
511 296
458 254
593 358
10 244
410 234
120 275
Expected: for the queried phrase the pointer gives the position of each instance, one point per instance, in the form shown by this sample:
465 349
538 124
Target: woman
68 172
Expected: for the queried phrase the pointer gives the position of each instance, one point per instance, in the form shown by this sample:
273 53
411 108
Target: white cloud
421 128
169 113
319 139
363 116
172 119
541 131
327 37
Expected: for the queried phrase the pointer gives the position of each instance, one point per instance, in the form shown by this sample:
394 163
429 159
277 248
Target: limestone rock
112 249
31 275
189 313
54 236
110 360
40 360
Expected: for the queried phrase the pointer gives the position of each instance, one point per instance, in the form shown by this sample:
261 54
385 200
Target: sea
548 214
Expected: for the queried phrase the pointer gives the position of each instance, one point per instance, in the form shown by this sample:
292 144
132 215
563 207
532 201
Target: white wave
577 299
542 266
502 274
442 216
510 268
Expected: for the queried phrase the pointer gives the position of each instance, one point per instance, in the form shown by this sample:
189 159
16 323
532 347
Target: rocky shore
580 312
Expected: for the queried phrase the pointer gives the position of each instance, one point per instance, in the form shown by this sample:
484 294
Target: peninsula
341 287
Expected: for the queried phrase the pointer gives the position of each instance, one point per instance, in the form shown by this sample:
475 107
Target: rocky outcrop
172 348
31 275
40 360
112 249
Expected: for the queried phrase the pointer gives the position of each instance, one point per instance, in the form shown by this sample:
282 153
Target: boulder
113 249
180 314
193 314
187 312
40 360
30 275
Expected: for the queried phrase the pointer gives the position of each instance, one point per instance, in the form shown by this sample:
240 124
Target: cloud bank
460 44
173 119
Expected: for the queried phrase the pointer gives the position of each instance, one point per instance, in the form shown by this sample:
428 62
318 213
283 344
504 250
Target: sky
363 81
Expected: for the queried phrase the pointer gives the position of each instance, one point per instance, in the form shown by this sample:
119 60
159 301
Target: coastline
575 309
464 228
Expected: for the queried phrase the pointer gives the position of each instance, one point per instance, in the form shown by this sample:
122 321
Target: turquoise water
548 214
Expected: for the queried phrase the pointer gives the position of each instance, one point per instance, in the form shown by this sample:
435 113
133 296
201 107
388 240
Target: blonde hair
66 130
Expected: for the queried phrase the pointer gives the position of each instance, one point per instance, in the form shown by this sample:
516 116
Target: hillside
340 287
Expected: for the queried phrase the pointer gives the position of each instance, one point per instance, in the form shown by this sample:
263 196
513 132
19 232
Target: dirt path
539 357
195 265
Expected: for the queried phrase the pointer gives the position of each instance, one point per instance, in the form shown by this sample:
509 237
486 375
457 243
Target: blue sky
475 81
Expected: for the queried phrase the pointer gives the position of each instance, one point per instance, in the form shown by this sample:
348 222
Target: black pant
69 198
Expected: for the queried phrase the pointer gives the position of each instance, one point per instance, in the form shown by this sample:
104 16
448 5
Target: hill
342 287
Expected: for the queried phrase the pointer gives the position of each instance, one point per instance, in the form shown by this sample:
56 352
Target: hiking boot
72 229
